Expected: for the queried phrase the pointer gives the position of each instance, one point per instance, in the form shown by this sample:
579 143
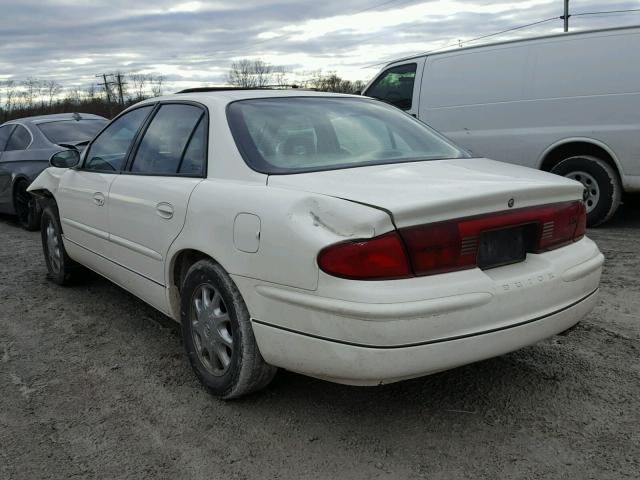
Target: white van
567 103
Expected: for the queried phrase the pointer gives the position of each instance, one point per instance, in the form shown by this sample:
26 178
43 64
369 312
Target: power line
458 43
606 12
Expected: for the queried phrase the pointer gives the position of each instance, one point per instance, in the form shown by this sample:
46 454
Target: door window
165 148
109 151
195 155
395 86
19 139
5 131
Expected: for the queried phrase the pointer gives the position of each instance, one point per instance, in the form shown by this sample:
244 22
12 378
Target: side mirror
65 159
357 92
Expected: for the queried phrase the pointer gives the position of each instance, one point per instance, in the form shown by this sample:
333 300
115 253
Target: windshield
305 134
71 131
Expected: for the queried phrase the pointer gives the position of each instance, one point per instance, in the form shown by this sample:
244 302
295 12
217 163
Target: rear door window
19 139
165 148
5 132
395 86
195 155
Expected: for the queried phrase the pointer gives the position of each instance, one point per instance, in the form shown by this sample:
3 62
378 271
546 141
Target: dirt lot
94 384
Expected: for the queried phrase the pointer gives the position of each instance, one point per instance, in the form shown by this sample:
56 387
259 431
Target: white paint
516 101
298 216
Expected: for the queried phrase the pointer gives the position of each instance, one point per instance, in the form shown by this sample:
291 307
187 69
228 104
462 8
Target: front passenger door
83 192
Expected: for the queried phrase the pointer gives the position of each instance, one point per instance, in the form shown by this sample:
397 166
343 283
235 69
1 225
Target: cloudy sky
193 42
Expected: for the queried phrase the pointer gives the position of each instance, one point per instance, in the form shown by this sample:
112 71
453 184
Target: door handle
165 210
98 198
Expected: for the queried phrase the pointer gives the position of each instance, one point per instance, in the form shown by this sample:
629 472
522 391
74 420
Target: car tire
601 182
217 334
26 206
60 268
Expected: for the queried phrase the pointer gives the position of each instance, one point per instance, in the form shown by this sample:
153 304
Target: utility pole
566 15
120 84
107 90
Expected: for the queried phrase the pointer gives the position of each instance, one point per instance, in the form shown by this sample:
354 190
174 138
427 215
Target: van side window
395 86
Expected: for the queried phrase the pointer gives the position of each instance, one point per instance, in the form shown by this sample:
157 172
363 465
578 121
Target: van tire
601 181
220 329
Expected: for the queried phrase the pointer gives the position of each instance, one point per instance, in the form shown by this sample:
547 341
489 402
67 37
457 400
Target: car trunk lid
424 192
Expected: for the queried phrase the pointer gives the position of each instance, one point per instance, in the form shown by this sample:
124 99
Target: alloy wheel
211 330
54 251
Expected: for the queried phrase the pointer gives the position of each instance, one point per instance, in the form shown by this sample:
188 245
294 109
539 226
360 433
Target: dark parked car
25 147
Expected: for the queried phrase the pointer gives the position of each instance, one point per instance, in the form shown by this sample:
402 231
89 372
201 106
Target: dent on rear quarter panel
294 227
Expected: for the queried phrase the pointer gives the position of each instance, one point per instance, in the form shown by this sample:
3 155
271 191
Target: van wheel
217 334
60 267
26 206
601 182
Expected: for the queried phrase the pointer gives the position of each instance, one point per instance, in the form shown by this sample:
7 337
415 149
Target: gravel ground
94 384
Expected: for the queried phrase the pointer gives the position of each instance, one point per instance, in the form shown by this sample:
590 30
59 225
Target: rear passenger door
148 201
399 85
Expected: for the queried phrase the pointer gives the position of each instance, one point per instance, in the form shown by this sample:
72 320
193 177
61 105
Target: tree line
113 92
246 73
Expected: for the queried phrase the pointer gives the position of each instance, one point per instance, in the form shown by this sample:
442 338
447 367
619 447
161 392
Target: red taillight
581 228
453 245
440 247
377 258
450 245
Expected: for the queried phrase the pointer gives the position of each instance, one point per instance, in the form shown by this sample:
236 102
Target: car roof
222 97
56 117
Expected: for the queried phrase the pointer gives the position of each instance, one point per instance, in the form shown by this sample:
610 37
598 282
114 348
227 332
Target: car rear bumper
354 364
371 332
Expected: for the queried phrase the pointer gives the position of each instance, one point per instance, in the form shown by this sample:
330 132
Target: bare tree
280 76
31 91
333 83
262 72
10 95
139 81
250 73
240 74
91 92
156 85
51 90
74 95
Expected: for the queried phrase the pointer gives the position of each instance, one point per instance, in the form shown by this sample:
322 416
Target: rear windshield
71 131
305 134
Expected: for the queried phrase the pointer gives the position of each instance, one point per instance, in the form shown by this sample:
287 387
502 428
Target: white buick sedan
330 235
